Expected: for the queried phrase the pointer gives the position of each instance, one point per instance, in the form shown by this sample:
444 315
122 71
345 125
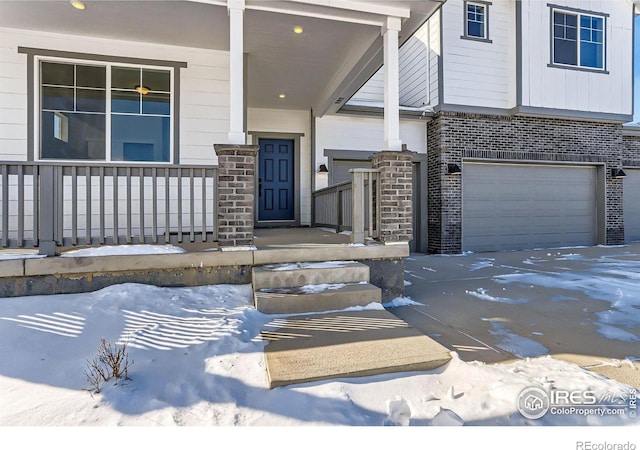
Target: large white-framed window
578 39
104 111
476 21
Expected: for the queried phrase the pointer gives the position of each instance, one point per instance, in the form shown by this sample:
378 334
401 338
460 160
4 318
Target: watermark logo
533 403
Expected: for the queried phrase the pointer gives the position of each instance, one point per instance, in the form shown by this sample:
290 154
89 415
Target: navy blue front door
275 180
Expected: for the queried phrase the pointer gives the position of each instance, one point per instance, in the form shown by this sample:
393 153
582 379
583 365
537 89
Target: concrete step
346 344
302 274
315 298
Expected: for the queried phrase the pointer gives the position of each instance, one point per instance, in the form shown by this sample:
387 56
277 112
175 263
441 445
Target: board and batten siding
567 89
293 122
204 88
341 132
479 73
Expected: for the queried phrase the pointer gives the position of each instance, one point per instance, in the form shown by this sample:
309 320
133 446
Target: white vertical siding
567 89
204 88
341 132
478 73
289 121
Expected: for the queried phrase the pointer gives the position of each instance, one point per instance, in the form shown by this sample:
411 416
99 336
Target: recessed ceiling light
77 4
282 95
298 30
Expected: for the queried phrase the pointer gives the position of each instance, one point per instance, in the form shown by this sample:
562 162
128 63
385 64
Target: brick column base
396 189
236 188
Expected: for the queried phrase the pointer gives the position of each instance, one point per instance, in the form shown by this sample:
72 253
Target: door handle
259 187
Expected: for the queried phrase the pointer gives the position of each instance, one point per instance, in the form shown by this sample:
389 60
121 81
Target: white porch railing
90 204
351 205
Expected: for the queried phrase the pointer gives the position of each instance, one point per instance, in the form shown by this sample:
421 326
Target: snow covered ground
198 362
110 250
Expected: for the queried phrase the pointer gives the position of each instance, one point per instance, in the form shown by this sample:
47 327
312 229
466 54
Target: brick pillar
396 185
444 190
236 199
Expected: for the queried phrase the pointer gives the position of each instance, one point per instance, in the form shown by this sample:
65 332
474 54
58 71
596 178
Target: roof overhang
340 49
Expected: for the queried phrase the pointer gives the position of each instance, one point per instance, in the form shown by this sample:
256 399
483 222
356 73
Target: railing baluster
377 213
179 204
369 195
59 184
36 206
88 200
141 196
214 203
5 206
102 207
74 205
204 205
154 219
116 227
128 225
20 206
167 215
192 212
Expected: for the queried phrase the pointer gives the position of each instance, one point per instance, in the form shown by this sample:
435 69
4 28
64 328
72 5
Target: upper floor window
105 112
476 20
578 39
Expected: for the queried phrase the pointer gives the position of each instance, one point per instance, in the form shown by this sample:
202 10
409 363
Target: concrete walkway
345 344
581 305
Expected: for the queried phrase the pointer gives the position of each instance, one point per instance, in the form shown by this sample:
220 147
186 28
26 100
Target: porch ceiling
341 46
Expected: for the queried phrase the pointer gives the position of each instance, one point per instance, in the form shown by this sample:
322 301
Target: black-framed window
476 21
578 39
72 111
105 112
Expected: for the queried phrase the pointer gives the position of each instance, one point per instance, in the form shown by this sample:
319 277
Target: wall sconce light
453 169
323 168
618 174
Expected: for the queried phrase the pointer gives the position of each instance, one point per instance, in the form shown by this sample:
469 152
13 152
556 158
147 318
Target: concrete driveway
577 304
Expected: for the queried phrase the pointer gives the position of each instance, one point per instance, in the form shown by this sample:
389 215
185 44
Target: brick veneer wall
396 189
236 193
631 151
453 137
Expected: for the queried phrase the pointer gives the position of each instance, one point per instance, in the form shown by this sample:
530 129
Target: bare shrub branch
111 361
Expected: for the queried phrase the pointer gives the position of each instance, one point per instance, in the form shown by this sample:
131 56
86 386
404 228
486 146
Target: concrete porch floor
293 237
265 238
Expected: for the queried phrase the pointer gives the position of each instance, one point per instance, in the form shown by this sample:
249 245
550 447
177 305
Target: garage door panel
507 206
632 205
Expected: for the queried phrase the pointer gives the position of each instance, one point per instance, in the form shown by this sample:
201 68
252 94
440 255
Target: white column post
236 72
391 84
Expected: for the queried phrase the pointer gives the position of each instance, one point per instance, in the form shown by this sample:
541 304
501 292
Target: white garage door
632 205
517 206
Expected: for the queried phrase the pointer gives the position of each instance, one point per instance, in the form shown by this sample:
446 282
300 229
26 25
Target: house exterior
526 98
530 100
127 101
